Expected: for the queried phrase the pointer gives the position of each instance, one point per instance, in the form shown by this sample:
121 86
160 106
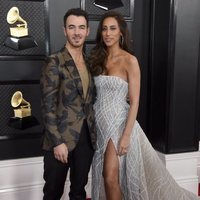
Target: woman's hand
123 144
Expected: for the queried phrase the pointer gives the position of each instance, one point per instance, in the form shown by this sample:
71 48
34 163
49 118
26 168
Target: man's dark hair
77 12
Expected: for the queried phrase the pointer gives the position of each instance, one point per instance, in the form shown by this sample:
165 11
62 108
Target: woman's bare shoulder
130 61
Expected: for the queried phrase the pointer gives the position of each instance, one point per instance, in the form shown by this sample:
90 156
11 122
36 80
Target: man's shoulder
57 53
60 56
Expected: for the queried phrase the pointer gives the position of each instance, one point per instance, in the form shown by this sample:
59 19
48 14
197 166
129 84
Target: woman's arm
133 76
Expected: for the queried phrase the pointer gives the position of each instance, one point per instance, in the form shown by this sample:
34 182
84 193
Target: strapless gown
143 176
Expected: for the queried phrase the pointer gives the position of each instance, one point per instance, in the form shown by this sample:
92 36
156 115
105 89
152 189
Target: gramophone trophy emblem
18 38
22 108
22 112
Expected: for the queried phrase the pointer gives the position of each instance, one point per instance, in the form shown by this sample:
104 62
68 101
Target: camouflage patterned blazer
63 105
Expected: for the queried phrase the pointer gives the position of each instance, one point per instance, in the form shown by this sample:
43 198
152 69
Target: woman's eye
112 28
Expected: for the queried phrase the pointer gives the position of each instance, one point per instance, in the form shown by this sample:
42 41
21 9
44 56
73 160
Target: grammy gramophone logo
22 113
18 38
22 108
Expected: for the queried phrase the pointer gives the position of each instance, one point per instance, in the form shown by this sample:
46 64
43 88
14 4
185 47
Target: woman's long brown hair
99 53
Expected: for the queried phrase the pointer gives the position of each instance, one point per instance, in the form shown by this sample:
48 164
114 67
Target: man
67 97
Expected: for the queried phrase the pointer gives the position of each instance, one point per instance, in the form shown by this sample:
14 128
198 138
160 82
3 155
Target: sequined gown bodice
142 174
111 104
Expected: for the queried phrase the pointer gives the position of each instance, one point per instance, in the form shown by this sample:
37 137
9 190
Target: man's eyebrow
82 25
70 25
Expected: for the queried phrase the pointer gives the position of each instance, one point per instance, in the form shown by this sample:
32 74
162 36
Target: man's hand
61 153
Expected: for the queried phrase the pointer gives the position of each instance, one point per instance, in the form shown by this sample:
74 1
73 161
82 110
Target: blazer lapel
90 85
70 65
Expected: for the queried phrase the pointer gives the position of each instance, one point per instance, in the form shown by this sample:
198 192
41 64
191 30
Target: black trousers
79 161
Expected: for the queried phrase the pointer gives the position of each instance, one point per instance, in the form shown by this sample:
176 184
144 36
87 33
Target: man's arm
49 83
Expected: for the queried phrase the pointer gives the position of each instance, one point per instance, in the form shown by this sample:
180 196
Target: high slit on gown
143 176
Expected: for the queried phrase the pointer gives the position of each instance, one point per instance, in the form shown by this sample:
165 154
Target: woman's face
111 32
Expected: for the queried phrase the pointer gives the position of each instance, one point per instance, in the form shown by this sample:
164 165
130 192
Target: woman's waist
110 97
111 101
110 108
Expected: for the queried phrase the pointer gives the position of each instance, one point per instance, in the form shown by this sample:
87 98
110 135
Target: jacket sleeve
49 84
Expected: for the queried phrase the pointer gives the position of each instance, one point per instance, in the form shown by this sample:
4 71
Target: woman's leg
111 173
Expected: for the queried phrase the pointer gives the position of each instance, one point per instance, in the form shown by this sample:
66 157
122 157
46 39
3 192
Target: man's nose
76 31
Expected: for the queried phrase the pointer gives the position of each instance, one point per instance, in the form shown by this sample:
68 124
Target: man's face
76 30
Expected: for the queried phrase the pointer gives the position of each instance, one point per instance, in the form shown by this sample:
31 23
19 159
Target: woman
125 165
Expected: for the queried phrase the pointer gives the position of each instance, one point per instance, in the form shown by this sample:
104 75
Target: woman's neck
114 52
